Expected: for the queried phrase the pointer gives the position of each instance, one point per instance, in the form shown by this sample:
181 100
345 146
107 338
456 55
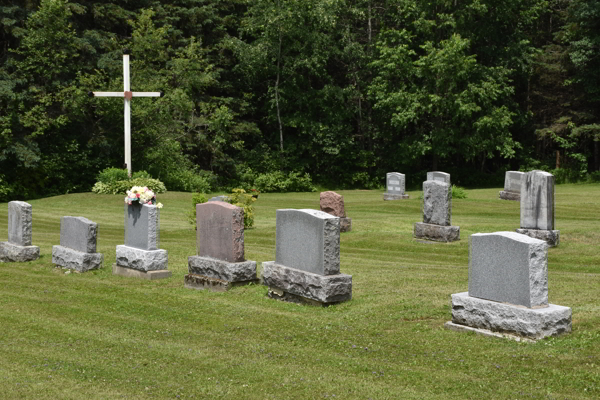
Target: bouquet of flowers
143 195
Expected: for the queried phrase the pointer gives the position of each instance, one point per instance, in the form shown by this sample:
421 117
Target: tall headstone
19 248
220 261
333 203
77 249
140 256
508 289
537 207
512 186
307 259
395 185
437 210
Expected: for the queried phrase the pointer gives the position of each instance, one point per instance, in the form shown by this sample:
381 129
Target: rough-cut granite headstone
437 212
508 267
220 242
395 185
512 186
537 207
307 258
19 248
140 251
438 176
77 248
508 289
333 203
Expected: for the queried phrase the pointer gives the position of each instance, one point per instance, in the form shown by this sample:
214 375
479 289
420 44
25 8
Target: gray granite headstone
308 240
395 182
141 226
508 267
19 223
437 203
220 232
218 198
78 233
512 181
438 176
537 200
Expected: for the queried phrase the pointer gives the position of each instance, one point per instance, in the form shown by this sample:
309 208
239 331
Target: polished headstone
141 226
395 183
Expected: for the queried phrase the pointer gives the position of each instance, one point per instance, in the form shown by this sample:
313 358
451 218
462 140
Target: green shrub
279 182
121 187
197 198
458 192
110 175
240 198
5 189
593 177
141 174
187 180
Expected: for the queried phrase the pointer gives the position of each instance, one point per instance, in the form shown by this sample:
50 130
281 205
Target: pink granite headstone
220 231
333 203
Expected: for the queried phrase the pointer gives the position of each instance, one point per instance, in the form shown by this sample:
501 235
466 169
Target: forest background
267 90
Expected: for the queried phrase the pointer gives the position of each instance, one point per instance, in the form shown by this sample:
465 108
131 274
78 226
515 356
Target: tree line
344 90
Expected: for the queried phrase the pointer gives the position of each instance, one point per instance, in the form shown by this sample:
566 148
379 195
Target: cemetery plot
437 210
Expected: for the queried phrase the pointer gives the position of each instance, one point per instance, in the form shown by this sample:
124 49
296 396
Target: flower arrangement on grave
143 195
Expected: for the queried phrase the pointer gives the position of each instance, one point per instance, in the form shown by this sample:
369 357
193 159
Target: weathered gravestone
77 249
19 248
508 289
512 186
140 256
220 244
307 259
395 184
437 210
537 207
333 203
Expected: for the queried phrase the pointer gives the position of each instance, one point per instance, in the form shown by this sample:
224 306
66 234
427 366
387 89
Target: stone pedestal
134 273
10 252
295 285
436 233
77 260
552 237
489 316
218 275
140 260
391 196
504 195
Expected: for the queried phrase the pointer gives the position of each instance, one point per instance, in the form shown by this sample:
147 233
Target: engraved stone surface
76 260
223 270
308 240
142 260
436 233
437 203
512 181
333 203
537 200
395 183
19 223
533 323
552 238
324 289
78 233
220 232
438 176
10 252
141 226
508 267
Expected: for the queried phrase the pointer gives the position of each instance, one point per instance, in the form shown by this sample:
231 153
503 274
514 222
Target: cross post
127 95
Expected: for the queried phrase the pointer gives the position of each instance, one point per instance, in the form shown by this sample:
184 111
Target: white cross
127 94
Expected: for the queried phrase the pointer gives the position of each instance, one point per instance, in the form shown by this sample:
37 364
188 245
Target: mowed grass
99 336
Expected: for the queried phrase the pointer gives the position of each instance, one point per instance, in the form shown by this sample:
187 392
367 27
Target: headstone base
532 323
201 282
142 260
486 332
10 252
77 260
389 196
437 233
325 289
134 273
548 236
345 224
222 270
504 195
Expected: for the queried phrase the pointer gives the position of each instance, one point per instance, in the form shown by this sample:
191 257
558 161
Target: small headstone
307 259
218 198
537 207
437 210
220 243
512 186
333 203
140 251
395 184
19 248
77 249
508 289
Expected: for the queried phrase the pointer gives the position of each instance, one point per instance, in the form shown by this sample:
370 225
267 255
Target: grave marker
395 185
512 186
333 203
19 248
437 210
77 249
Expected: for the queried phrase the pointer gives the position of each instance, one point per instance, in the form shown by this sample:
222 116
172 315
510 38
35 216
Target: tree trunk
277 89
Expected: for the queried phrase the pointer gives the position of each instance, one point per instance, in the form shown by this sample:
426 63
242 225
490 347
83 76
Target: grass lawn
99 336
